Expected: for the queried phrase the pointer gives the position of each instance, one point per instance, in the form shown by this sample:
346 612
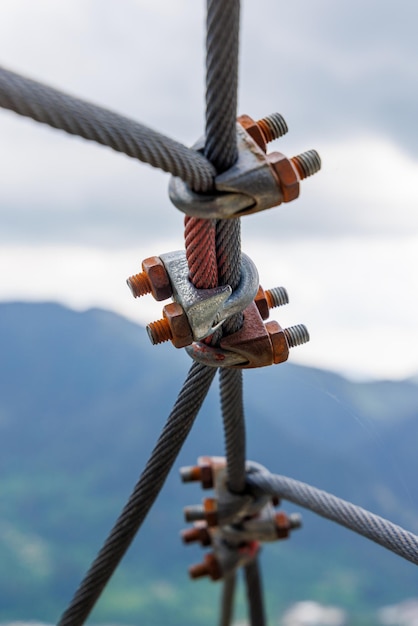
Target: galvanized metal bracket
207 309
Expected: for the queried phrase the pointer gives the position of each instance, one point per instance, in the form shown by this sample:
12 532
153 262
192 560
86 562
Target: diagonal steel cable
143 496
365 523
95 123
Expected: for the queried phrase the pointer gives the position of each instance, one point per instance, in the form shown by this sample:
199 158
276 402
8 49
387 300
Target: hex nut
209 567
286 175
278 341
158 278
261 303
182 335
253 130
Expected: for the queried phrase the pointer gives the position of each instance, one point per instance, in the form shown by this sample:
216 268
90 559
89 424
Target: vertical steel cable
168 446
222 47
221 82
253 585
199 241
227 600
234 427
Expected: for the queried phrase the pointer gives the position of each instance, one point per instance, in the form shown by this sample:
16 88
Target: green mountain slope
83 397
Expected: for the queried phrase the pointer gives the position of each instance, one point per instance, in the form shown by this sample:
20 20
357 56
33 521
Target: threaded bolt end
139 284
194 513
296 335
159 331
273 126
276 297
307 163
295 520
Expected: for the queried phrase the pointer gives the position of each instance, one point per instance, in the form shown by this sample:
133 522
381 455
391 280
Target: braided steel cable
222 47
228 254
373 527
227 599
199 242
234 427
254 588
144 494
221 142
95 123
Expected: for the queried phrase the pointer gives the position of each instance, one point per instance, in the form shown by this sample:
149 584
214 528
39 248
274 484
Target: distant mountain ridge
83 397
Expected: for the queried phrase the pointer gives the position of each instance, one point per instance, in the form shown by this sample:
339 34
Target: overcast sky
76 219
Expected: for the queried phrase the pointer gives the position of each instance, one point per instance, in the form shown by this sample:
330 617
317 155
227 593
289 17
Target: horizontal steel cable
95 123
143 496
369 525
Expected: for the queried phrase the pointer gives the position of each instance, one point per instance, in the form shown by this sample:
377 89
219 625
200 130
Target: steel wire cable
222 48
227 599
254 589
143 496
234 427
222 51
373 527
95 123
222 40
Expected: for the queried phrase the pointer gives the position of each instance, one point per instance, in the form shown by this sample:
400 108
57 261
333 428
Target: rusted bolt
207 512
286 175
269 299
202 473
174 326
209 567
198 533
307 163
153 279
284 338
265 130
296 335
285 523
278 341
289 172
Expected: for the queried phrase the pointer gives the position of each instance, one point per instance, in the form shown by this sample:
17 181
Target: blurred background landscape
83 397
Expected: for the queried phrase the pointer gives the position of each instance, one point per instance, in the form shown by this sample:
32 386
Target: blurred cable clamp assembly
233 525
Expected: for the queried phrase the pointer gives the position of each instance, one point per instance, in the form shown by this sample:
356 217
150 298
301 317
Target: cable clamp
233 525
194 313
255 344
256 182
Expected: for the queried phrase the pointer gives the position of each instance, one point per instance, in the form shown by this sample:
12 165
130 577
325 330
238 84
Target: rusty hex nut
278 341
253 130
210 506
158 277
262 303
286 175
209 567
179 325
